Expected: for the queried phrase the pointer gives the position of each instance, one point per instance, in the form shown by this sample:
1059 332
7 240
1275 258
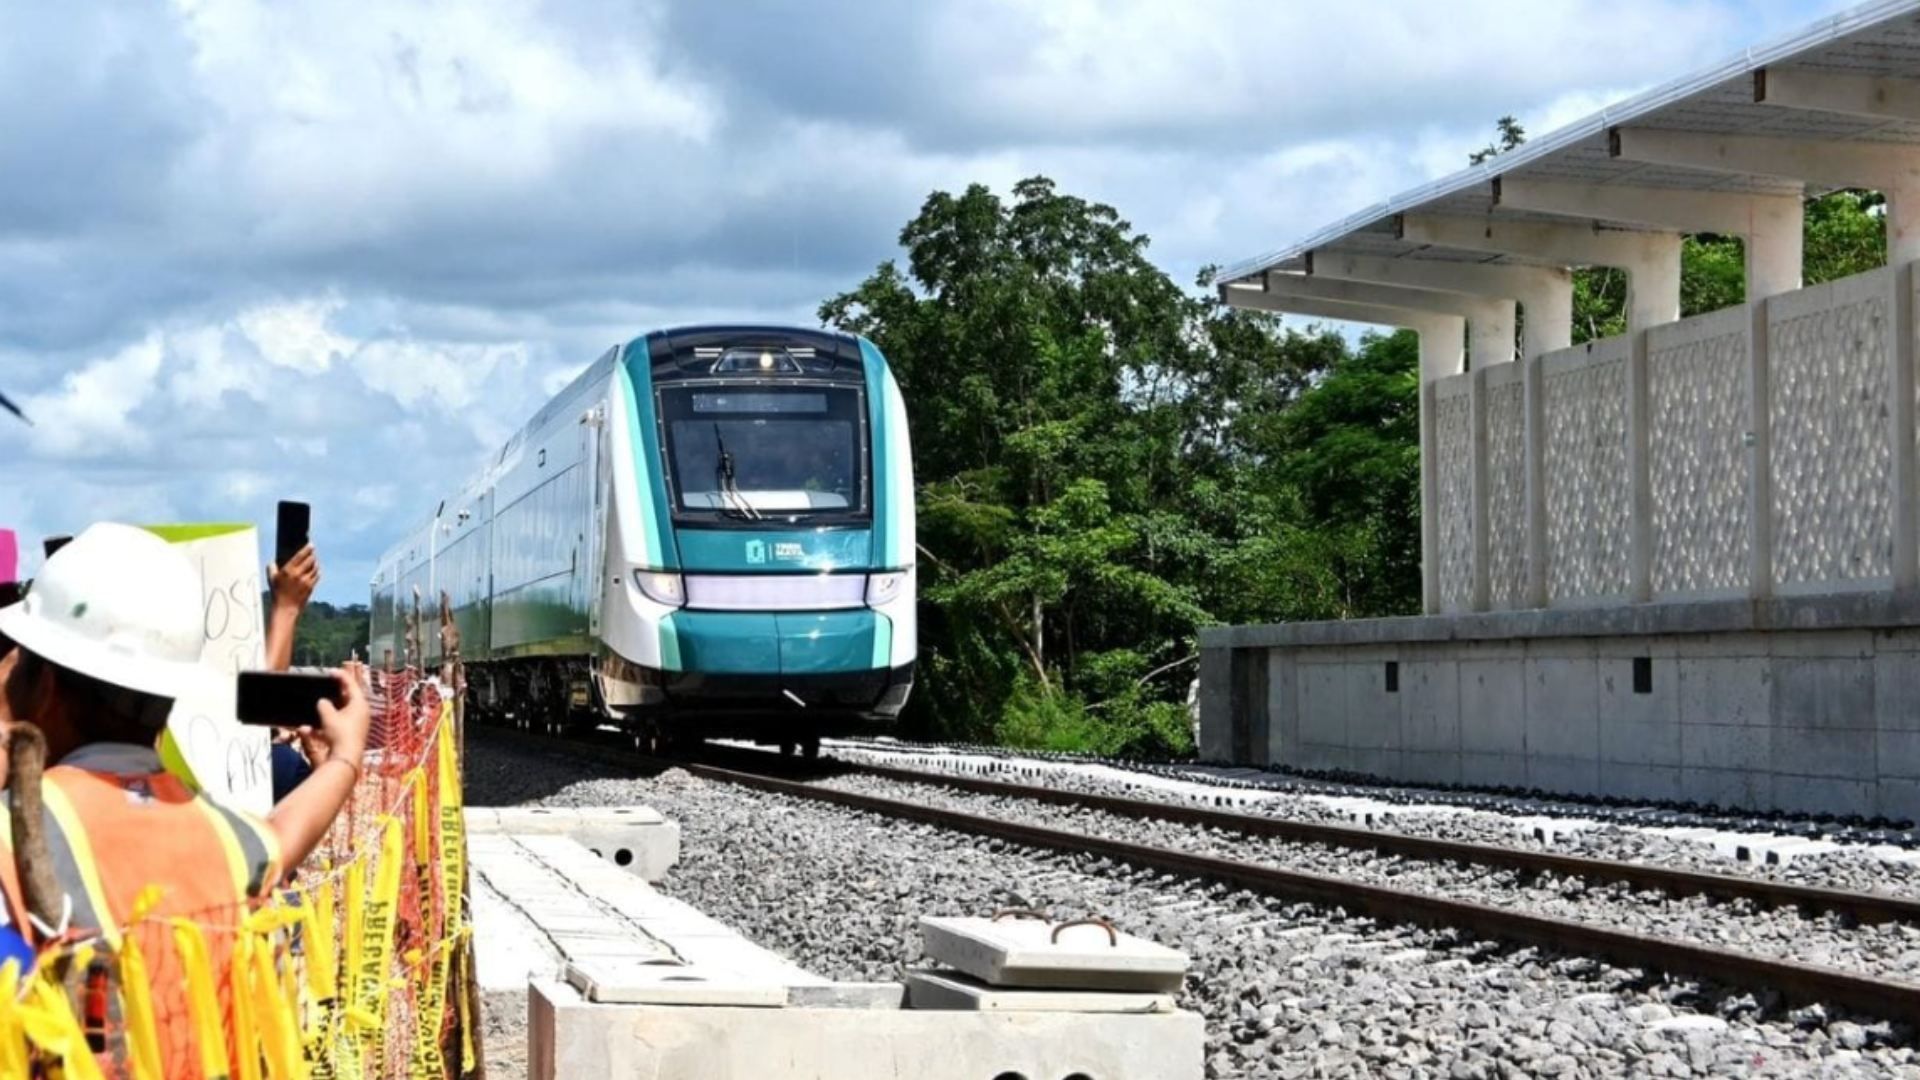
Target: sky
338 251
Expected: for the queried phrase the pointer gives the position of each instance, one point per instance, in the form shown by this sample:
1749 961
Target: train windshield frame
742 454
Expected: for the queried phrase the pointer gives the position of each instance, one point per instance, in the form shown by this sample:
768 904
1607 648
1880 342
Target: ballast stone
1032 953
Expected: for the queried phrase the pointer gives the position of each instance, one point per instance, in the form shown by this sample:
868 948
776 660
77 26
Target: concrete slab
880 995
634 838
954 991
1032 953
611 981
544 902
569 1037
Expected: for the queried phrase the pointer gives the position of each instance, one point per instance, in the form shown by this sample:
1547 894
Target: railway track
1895 999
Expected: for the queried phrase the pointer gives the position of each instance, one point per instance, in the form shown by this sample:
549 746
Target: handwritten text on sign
226 759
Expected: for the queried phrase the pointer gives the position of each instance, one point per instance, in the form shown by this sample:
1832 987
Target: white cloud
91 413
295 335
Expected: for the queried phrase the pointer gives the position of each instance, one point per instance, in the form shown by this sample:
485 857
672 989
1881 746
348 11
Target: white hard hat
120 605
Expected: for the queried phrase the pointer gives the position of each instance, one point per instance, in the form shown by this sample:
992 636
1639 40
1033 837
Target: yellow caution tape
136 1008
279 1041
356 888
246 1034
13 1034
376 947
202 1003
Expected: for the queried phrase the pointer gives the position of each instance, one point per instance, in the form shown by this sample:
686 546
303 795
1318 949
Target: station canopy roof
1880 39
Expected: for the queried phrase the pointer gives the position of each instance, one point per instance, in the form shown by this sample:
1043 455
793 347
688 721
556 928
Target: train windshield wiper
729 487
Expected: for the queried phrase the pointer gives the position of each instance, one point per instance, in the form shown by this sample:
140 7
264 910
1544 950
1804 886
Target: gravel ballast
1286 989
1891 949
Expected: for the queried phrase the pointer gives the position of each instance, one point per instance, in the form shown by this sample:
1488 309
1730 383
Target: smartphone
54 543
290 532
284 698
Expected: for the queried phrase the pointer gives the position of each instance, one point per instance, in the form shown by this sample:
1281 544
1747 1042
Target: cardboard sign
9 557
204 745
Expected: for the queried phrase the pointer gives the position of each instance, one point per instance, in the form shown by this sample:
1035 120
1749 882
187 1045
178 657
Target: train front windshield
782 453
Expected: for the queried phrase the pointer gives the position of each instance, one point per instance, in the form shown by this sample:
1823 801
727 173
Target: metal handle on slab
1113 936
1019 913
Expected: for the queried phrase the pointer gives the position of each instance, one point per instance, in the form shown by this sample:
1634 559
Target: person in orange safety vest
109 636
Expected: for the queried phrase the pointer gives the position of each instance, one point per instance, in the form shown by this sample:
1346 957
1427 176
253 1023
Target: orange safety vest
113 834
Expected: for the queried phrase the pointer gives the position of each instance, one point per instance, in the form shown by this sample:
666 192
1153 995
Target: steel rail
1862 906
1795 981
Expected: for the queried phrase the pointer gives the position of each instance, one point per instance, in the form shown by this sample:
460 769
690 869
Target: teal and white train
710 532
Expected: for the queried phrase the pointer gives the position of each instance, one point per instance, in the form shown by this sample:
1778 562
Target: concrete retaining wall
1809 704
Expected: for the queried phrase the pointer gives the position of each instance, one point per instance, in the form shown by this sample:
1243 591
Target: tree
1510 135
1087 435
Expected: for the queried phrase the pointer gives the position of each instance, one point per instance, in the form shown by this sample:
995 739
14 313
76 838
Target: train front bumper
826 663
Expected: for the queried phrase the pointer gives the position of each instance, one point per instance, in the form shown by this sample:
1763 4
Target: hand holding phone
294 523
289 699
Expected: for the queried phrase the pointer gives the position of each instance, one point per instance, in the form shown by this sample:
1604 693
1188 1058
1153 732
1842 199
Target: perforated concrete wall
1588 497
1453 468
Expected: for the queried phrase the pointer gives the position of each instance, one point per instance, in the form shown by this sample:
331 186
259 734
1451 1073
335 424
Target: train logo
756 552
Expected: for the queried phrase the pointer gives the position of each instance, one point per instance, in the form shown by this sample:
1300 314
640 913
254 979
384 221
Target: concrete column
1482 597
1653 284
1775 258
1903 223
1770 225
1759 455
1547 320
1651 260
1490 336
1905 474
1639 473
1547 290
1535 405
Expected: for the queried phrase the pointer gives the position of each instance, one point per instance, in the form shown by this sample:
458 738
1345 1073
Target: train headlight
668 589
882 588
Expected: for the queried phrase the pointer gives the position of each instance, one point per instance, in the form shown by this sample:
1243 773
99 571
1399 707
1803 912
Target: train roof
677 345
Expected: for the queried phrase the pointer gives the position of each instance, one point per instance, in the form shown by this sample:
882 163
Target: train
708 533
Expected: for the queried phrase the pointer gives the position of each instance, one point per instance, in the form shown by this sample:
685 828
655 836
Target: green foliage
1108 462
328 635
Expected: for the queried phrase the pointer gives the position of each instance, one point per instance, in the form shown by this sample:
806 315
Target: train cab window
766 453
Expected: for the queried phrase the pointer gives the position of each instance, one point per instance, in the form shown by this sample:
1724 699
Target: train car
709 532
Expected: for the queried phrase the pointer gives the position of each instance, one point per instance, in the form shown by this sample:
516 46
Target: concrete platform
545 904
1806 704
572 1037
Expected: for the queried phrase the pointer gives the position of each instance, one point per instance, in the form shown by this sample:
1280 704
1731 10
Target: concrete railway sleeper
1794 981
